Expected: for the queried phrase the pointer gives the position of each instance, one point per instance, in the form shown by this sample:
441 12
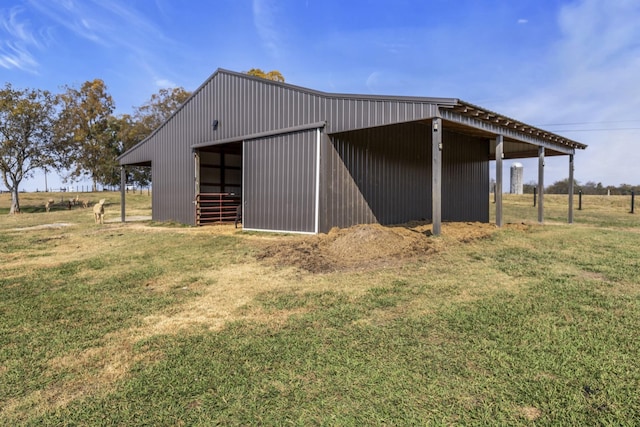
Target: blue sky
571 67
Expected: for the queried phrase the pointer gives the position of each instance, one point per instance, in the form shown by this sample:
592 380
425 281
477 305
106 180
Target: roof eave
483 114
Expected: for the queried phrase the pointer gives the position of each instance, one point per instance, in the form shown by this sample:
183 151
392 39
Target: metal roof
492 118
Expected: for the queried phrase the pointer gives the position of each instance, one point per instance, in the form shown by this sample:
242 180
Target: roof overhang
471 119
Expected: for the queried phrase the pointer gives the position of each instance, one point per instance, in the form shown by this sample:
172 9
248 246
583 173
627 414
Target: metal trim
317 213
292 129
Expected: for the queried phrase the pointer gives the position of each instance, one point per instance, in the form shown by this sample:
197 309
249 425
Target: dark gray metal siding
384 175
350 114
465 178
280 183
172 169
244 105
380 175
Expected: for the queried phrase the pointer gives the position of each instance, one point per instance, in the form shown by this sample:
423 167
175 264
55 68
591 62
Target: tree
146 119
591 187
85 128
271 75
158 109
561 187
529 187
107 171
27 119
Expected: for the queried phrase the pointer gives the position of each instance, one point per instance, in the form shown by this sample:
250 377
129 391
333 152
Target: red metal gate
212 208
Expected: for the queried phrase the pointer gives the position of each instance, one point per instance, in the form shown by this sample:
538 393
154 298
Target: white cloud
17 42
265 21
522 21
165 83
123 40
373 80
594 69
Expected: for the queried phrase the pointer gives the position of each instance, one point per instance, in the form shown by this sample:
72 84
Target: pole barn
304 161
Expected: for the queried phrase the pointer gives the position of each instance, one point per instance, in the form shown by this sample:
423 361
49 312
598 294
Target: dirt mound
366 246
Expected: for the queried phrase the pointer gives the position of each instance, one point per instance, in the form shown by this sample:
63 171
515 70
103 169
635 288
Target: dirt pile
366 246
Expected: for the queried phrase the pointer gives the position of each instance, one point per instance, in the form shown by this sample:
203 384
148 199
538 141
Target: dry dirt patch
366 246
530 413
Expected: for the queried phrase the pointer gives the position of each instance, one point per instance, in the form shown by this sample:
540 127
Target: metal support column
196 171
498 189
123 188
436 175
196 184
571 184
541 185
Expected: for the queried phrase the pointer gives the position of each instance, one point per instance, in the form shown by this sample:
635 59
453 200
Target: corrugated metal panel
383 175
343 115
173 174
379 175
465 178
244 105
280 183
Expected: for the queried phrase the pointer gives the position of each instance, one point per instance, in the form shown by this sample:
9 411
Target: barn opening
218 182
388 171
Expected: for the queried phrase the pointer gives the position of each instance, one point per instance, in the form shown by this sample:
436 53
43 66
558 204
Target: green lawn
147 324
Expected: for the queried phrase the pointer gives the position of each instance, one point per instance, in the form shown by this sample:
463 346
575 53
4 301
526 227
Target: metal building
300 160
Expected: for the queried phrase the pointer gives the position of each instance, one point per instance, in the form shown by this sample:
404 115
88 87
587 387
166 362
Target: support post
571 183
436 175
196 172
541 185
196 184
123 186
498 194
633 201
580 200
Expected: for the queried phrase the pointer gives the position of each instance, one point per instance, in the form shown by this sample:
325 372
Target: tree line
590 187
76 132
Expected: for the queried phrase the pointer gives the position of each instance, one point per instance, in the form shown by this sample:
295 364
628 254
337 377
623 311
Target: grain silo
517 173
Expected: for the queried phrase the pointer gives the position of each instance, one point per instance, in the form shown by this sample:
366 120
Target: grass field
159 324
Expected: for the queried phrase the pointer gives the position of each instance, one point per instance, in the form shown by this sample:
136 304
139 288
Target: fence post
633 199
580 200
535 193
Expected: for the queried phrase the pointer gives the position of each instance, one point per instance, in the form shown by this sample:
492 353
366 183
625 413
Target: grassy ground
148 324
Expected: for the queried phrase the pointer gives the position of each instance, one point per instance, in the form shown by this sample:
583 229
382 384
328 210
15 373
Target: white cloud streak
107 23
595 67
265 21
113 25
17 41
